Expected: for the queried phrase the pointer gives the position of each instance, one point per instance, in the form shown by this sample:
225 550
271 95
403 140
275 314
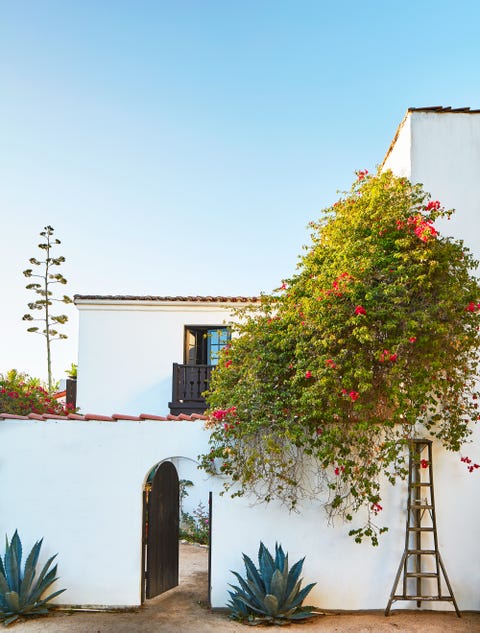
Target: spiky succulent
20 593
271 593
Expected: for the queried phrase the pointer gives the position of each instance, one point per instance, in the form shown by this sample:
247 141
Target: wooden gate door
162 535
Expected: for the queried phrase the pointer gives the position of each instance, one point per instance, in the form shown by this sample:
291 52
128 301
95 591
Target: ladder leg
395 583
448 586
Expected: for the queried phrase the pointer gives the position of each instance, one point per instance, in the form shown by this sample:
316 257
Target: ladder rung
419 506
421 574
426 598
421 551
419 484
420 529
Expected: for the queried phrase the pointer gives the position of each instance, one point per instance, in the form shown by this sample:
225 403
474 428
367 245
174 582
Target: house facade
90 506
149 354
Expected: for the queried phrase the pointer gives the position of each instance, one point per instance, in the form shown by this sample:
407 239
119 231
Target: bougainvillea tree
373 341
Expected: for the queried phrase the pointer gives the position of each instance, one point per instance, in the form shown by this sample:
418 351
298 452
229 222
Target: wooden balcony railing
188 384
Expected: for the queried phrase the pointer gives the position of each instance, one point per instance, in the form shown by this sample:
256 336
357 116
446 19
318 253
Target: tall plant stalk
47 278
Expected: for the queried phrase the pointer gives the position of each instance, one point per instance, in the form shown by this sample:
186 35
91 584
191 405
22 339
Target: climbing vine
372 341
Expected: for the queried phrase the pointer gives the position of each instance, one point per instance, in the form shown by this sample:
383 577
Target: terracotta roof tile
181 417
100 418
11 416
150 416
441 109
121 416
187 298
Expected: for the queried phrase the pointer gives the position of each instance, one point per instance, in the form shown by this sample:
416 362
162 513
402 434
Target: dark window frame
200 330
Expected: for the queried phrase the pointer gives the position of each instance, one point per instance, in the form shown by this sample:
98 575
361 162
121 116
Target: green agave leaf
243 585
238 607
11 619
2 568
302 595
252 572
30 570
43 581
13 601
3 585
12 564
278 586
250 605
294 575
51 596
271 604
257 593
266 566
293 594
16 544
279 557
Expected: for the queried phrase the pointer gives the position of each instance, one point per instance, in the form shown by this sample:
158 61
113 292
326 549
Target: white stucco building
128 346
86 500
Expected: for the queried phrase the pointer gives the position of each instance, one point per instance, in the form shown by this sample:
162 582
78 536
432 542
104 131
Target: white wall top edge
173 306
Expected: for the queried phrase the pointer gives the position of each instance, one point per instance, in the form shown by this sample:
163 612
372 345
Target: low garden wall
78 484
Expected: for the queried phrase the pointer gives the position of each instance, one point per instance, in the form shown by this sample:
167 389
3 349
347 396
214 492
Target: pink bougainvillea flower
353 395
412 339
319 431
360 310
393 358
331 363
471 307
424 463
432 205
228 363
376 507
308 374
384 355
361 174
425 231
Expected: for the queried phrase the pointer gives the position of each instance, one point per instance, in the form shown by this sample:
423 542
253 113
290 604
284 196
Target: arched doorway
161 525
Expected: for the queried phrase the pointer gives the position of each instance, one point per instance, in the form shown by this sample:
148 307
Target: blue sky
181 147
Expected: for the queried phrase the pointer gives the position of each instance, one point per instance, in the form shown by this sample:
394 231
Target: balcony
188 384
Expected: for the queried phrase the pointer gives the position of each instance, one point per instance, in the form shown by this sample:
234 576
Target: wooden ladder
421 560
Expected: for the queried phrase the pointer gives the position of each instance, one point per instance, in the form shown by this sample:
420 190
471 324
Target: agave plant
271 593
20 593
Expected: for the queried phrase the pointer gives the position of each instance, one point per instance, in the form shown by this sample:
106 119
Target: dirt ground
183 610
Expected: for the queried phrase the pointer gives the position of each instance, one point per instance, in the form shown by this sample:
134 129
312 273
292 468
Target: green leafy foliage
194 527
374 340
43 288
272 593
21 394
21 595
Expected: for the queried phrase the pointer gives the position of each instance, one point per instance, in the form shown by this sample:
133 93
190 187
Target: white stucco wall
441 150
78 484
126 352
398 158
353 576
